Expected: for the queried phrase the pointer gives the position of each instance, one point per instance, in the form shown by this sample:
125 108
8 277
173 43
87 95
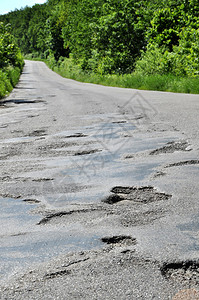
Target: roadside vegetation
149 44
157 82
11 61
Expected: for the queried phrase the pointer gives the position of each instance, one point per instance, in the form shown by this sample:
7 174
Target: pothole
119 239
183 163
119 122
86 152
171 147
42 179
76 135
159 174
65 271
31 201
185 272
61 214
37 132
21 101
145 194
112 199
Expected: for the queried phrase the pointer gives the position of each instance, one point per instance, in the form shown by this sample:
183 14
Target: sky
9 5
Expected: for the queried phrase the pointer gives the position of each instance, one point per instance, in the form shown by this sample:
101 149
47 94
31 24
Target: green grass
13 75
167 82
8 79
5 84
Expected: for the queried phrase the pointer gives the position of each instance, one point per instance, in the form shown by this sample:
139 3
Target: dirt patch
185 272
188 294
145 194
119 239
171 147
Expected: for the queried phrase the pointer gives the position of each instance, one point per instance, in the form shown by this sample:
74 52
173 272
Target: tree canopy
11 60
111 36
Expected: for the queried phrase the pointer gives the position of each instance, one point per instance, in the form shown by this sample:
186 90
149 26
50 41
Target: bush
186 55
182 61
11 61
13 75
154 61
5 84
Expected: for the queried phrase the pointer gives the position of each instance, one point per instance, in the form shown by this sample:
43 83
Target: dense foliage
111 36
11 61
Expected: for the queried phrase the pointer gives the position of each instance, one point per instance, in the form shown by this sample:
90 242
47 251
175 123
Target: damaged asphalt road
99 191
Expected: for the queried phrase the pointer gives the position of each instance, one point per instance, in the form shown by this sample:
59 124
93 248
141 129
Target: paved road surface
99 191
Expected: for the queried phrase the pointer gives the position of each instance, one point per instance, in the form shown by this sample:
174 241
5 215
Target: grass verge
168 83
9 77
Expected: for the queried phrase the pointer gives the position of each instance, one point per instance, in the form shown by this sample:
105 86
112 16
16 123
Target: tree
10 54
119 35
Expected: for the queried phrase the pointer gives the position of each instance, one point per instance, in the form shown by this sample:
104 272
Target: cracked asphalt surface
99 191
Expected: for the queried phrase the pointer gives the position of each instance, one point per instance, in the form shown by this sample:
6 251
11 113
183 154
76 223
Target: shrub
154 61
186 55
11 61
